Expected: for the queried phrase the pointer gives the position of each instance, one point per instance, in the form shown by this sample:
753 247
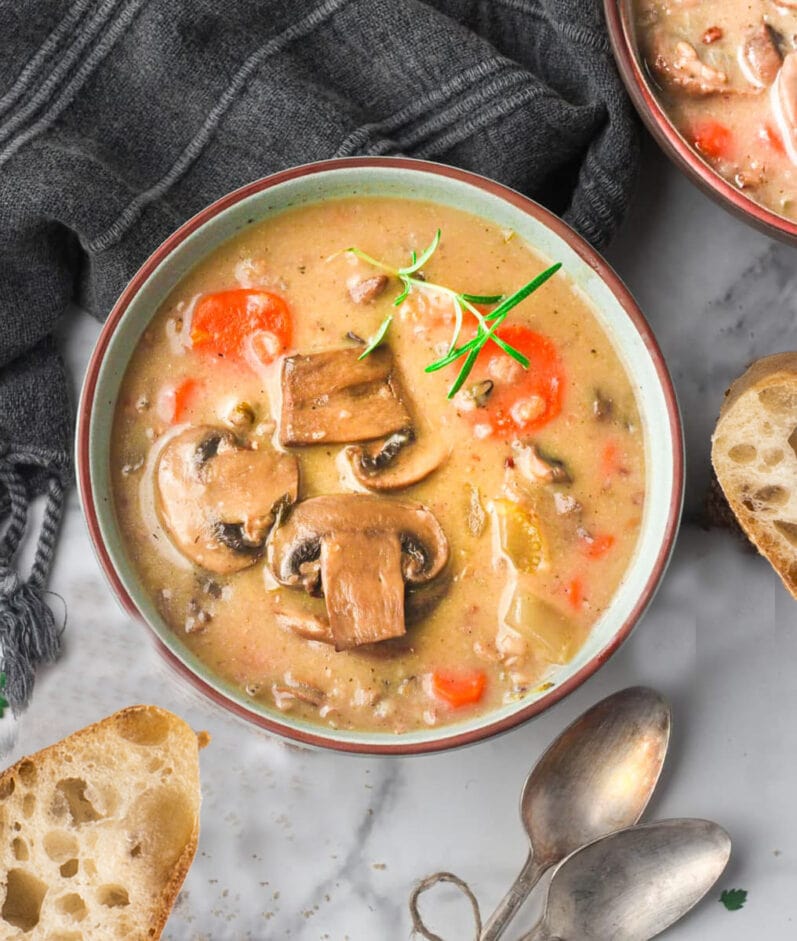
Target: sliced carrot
575 594
228 323
598 546
522 400
712 139
175 398
770 136
610 459
458 689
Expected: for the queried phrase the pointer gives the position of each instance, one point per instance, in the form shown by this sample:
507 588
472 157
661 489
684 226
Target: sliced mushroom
419 603
217 499
360 551
335 397
680 67
397 462
602 406
475 396
303 623
365 290
286 694
759 56
538 467
376 457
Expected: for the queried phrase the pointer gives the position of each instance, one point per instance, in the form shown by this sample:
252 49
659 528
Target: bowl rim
317 739
657 121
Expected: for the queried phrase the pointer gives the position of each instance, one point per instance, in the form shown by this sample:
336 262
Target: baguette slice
98 831
754 452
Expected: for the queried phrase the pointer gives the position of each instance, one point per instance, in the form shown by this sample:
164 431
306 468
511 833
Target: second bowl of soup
716 83
383 453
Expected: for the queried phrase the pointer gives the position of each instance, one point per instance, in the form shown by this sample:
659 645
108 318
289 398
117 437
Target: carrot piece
598 546
575 594
522 400
712 139
610 459
175 398
458 689
229 324
770 136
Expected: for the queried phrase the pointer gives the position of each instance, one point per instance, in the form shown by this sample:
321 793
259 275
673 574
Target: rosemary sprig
498 316
461 302
377 338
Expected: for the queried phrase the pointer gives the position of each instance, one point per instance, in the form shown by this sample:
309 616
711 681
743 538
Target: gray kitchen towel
119 119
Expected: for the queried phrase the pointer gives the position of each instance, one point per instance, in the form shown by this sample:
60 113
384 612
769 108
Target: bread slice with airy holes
754 452
98 831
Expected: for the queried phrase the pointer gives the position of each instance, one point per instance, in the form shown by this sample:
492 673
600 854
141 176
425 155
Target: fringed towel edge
29 634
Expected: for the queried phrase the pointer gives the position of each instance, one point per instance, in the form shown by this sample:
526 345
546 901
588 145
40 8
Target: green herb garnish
733 899
410 279
377 338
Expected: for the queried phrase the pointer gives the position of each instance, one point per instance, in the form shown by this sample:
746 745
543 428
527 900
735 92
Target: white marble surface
305 845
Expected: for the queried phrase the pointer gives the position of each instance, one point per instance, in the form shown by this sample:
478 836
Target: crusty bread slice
754 452
97 832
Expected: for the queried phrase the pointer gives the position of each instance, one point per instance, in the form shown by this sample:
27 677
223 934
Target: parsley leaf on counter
733 899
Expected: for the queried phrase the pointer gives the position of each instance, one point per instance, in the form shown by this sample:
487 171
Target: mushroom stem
364 587
360 552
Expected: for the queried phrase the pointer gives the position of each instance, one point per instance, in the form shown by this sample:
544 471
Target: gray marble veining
308 845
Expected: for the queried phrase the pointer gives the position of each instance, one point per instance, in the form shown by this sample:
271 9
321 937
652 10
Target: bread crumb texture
754 452
98 831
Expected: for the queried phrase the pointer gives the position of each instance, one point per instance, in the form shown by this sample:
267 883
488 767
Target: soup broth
726 71
373 554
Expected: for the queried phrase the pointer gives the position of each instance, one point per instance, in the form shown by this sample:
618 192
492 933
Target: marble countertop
310 845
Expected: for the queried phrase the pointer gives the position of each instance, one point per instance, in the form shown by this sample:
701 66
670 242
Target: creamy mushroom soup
727 75
378 464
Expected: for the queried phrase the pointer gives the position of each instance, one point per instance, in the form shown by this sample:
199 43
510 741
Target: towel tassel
29 634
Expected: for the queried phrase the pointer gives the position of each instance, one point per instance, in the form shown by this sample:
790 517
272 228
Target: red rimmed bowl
622 34
551 238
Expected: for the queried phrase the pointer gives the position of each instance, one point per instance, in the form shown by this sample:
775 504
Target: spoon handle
509 905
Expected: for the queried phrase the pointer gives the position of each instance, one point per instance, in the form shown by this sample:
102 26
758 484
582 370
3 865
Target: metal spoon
632 885
597 777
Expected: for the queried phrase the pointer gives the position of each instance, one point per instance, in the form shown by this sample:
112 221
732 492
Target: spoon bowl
597 777
632 885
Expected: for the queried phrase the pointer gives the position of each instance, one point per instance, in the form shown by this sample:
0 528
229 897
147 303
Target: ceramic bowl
613 306
642 90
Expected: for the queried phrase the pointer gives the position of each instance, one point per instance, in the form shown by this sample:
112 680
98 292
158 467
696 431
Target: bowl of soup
383 453
715 81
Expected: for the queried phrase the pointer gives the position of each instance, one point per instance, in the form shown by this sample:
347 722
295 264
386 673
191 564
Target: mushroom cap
298 540
413 460
335 396
217 499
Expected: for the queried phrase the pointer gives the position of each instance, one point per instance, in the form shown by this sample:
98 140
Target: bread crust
177 734
767 371
779 369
